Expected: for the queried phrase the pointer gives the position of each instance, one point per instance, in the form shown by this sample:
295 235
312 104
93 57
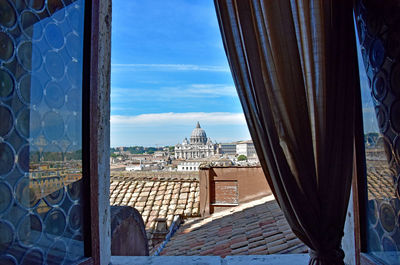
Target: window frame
95 142
92 138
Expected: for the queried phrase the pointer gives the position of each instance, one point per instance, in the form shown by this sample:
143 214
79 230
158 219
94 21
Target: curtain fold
294 64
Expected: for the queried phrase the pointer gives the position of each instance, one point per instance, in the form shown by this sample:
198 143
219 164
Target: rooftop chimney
160 232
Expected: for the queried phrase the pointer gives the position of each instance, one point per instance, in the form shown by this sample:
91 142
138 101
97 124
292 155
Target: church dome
198 135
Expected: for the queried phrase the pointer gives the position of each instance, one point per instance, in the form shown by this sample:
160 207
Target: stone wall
157 174
128 234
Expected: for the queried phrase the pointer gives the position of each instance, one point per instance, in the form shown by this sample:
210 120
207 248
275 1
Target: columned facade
199 146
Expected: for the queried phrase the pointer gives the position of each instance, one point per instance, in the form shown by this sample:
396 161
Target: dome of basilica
198 146
198 135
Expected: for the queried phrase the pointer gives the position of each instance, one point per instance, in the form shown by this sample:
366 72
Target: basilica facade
199 145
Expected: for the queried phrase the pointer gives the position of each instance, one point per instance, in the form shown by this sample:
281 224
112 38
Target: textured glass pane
41 57
381 117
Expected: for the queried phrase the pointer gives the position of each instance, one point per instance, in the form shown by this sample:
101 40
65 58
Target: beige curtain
295 68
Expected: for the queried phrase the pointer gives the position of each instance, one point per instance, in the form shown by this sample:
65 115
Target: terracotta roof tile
157 197
258 250
380 180
249 229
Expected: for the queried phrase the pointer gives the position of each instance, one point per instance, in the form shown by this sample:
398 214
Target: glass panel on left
41 56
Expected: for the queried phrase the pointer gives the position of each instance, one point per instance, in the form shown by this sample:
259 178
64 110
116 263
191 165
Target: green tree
242 158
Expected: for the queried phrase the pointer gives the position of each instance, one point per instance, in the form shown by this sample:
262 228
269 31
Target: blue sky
169 70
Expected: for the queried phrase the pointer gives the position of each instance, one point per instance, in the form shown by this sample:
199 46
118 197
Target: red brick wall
223 187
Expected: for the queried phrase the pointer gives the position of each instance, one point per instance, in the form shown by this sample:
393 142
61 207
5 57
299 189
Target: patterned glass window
41 55
380 84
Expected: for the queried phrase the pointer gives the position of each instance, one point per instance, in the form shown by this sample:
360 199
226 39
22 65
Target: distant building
136 167
247 148
160 154
141 157
189 166
227 148
199 146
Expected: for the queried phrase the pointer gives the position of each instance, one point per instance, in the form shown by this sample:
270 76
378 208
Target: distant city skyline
168 71
173 135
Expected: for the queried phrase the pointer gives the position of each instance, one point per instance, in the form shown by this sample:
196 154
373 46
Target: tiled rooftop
158 197
380 180
255 228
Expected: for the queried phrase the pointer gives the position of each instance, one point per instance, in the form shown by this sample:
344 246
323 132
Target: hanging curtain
295 68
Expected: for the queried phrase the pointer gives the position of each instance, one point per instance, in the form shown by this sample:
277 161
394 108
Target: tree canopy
242 158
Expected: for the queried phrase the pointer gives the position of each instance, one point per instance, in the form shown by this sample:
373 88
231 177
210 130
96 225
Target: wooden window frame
91 113
96 234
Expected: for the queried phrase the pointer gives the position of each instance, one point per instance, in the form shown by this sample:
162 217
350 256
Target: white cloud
167 67
211 89
188 118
